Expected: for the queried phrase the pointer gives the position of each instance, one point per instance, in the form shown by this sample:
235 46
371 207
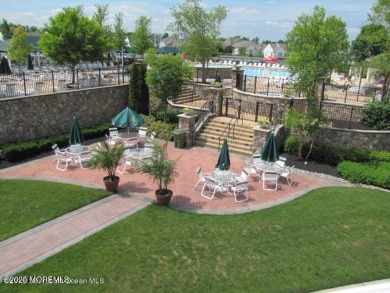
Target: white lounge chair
201 176
239 188
213 186
272 178
61 158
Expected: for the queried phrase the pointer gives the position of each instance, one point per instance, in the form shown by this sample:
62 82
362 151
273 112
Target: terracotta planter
163 197
111 185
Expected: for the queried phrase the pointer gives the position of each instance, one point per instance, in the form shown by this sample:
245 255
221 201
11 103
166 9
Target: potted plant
162 171
189 112
264 123
108 158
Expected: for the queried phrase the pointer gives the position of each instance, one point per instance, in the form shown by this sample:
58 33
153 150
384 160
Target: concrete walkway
24 250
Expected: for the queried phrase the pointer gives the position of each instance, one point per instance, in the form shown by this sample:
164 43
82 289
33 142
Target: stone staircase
243 135
186 96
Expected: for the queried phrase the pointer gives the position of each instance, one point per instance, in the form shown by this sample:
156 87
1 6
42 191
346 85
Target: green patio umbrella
270 151
4 66
127 118
224 158
30 65
76 136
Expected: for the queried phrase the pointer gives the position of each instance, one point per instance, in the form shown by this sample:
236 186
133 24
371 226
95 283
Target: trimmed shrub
291 145
22 150
377 174
376 115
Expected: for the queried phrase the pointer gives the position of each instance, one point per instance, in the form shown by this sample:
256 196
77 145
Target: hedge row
23 150
377 174
335 154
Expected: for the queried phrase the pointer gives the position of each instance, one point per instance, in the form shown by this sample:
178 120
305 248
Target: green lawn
327 238
25 204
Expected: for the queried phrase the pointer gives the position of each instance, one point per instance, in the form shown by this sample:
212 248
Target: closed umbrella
30 65
224 157
270 151
4 66
127 118
76 136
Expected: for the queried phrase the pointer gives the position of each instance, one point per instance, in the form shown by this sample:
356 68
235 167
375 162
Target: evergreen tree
134 88
143 90
138 89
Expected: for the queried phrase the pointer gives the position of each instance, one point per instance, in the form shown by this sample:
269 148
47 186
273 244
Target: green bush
334 154
291 145
379 156
162 130
171 115
377 174
377 115
22 150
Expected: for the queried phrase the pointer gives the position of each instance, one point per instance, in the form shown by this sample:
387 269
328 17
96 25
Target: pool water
266 72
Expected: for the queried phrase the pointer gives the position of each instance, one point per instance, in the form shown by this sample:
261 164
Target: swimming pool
266 72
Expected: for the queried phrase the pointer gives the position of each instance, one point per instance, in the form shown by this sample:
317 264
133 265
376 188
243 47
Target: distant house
171 42
277 50
251 48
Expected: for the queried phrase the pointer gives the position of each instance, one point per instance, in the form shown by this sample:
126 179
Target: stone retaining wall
364 139
38 116
212 72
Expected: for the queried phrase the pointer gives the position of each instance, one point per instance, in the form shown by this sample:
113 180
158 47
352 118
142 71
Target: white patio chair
142 131
286 173
239 188
201 176
126 162
213 186
61 158
272 178
251 169
113 132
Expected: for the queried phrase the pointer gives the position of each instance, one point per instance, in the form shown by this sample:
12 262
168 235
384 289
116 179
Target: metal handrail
204 111
231 125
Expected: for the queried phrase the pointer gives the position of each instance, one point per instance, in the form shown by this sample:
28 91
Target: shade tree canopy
199 29
71 37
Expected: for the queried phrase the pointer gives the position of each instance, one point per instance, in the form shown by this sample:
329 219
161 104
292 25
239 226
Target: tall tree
142 37
101 16
18 47
166 76
372 40
5 29
380 13
119 34
138 89
199 28
317 45
382 63
71 37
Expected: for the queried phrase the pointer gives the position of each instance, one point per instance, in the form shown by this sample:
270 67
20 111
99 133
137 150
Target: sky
265 19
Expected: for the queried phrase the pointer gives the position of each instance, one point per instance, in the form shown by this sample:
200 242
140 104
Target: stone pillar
218 93
259 137
237 77
187 122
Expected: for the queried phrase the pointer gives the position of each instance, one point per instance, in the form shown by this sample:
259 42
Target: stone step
243 150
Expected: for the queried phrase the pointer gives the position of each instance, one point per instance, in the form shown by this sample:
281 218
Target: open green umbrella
76 136
127 118
4 66
270 151
224 158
